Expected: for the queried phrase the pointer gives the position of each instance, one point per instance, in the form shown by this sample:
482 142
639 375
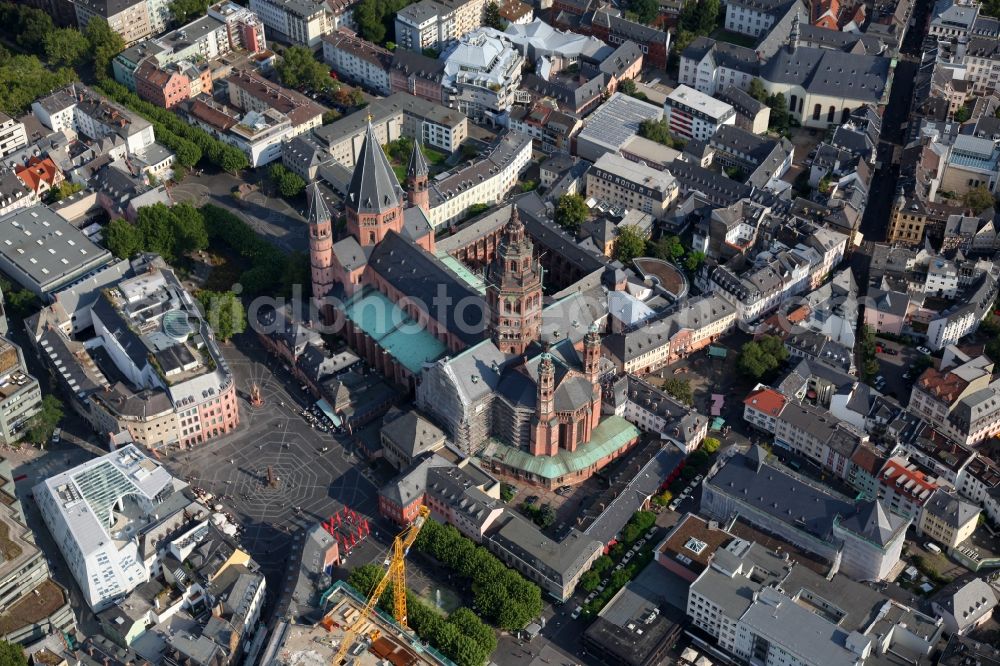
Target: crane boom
395 574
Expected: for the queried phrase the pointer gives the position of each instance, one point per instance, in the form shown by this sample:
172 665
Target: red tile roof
766 400
38 171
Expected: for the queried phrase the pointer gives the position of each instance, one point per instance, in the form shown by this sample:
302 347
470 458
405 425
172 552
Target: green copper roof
459 269
395 331
609 436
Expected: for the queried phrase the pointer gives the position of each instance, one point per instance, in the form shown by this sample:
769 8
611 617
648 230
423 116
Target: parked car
698 478
924 350
650 533
674 504
576 612
56 435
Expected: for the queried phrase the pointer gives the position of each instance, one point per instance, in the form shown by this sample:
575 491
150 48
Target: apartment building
762 408
635 186
947 518
20 395
131 19
485 73
12 135
251 92
959 399
655 412
756 17
433 24
78 108
358 61
694 325
904 487
191 50
695 115
32 604
295 21
759 607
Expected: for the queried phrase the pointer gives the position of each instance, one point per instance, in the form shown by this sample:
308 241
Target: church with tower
502 370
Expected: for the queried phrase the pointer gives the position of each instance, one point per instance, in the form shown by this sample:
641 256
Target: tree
288 183
711 445
33 27
630 243
189 227
66 46
757 90
23 79
590 581
123 239
184 11
571 211
761 358
64 189
963 114
866 352
300 69
645 10
11 654
331 116
978 199
694 261
492 17
42 424
156 223
780 119
656 130
679 389
224 312
105 44
668 248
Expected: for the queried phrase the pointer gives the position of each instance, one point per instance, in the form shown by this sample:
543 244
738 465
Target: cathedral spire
318 210
417 175
374 198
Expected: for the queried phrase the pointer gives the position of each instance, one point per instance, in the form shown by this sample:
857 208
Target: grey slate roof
950 508
827 72
418 164
419 275
318 211
875 523
373 188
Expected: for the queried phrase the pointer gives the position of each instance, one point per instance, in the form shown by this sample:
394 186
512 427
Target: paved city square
312 475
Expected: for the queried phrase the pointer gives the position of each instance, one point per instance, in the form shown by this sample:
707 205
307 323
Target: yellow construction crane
395 574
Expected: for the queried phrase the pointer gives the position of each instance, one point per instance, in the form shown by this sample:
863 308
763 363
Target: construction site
319 644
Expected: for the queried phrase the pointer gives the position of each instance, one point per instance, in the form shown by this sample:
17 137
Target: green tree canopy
780 119
668 248
185 11
757 90
375 18
66 46
978 199
123 239
656 130
105 44
40 429
571 211
694 260
224 312
630 243
645 10
679 389
288 183
492 17
156 223
189 229
11 654
23 79
760 359
299 68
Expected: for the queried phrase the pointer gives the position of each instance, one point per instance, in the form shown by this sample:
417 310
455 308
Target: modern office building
694 115
97 513
632 185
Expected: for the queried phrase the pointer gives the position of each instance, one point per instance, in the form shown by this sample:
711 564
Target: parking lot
896 368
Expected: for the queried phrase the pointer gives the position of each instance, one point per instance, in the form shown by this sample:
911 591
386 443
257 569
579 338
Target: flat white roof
685 96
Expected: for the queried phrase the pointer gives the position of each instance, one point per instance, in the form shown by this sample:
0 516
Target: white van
933 547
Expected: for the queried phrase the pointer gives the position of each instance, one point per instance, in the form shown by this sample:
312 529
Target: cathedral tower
374 198
514 290
320 243
417 175
545 438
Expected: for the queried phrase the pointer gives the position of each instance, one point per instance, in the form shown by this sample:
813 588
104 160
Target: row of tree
461 636
191 144
502 595
170 232
375 18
